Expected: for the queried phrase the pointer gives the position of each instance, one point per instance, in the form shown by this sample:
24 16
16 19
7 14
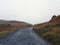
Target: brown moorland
49 30
7 27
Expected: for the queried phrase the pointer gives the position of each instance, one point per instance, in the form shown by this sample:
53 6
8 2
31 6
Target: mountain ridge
55 20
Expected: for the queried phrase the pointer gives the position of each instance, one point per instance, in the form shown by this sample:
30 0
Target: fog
31 11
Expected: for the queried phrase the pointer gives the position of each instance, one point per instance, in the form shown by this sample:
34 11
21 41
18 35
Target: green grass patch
4 33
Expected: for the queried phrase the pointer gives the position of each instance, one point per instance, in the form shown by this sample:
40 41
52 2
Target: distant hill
7 27
10 22
4 24
49 30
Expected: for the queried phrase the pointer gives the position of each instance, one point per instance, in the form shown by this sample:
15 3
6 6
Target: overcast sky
31 11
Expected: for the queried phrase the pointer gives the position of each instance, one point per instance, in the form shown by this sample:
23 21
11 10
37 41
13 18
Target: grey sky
31 11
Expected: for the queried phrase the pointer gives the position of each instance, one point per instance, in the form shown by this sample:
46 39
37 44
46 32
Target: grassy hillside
7 27
49 31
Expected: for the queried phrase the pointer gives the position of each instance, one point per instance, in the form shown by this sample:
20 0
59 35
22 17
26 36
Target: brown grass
49 32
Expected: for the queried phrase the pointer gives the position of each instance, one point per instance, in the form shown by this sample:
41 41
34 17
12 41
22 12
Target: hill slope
7 27
49 30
